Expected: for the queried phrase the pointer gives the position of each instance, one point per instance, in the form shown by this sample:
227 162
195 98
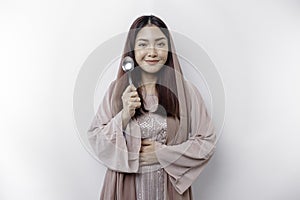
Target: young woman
154 136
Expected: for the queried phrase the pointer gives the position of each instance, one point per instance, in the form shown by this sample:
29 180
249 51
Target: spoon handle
129 77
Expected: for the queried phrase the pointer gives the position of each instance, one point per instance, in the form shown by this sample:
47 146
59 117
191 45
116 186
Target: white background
254 44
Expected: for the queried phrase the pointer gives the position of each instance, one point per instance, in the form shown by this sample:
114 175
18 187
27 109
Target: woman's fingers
144 157
135 99
130 88
145 149
129 95
143 160
130 101
147 152
147 159
147 142
147 146
129 92
133 94
134 105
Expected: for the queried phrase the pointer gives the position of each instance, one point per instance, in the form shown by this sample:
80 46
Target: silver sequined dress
150 179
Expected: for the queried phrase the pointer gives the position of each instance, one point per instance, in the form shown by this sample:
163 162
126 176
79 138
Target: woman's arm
117 150
185 161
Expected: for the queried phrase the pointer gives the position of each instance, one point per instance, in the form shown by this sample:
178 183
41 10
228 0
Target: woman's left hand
147 152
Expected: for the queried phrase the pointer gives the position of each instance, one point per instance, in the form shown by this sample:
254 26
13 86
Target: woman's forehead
152 33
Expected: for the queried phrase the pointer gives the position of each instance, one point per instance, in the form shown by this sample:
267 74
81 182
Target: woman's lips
152 62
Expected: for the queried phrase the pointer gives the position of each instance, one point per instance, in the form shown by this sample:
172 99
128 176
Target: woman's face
151 49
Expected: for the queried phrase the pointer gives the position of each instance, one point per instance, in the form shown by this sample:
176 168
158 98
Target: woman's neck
148 82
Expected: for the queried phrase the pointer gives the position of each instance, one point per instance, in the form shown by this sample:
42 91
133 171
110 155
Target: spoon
127 66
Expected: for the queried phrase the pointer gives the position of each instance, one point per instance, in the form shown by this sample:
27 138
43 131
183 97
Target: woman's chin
151 69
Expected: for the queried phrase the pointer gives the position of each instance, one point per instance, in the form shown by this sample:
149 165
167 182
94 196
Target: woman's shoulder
112 84
192 92
109 91
190 86
111 87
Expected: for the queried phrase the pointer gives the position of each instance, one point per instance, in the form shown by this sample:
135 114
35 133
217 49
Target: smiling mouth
152 62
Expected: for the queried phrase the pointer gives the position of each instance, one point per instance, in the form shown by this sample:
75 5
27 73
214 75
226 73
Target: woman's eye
142 45
161 44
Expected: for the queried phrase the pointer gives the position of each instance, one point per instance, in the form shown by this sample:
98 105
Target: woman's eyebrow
155 39
161 38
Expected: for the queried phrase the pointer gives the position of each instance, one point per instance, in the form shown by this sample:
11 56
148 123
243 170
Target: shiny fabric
150 178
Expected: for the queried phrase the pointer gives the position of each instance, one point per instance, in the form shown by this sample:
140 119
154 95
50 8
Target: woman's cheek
141 54
163 53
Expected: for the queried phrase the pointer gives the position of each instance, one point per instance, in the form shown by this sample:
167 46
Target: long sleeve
117 149
184 162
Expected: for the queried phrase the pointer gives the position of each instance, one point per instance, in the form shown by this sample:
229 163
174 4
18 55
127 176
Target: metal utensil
127 66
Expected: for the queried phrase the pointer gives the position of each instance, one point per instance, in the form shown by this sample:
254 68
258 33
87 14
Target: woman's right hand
131 101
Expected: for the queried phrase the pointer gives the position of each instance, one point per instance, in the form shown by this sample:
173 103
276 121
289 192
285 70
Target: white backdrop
254 45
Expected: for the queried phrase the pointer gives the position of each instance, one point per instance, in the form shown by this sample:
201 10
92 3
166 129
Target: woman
154 136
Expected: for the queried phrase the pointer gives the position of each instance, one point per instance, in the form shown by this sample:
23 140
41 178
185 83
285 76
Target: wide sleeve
116 149
184 162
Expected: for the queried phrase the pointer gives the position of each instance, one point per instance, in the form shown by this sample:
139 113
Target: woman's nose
152 51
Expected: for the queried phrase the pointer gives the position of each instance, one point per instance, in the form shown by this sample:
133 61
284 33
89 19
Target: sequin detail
150 178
